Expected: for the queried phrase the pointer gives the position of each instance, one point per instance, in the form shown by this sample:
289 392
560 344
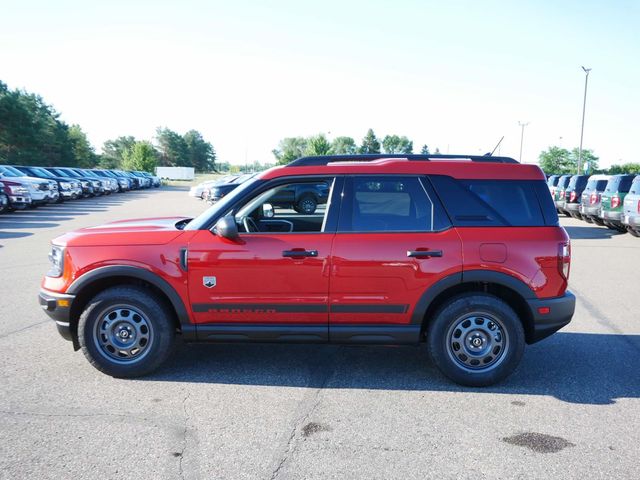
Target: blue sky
453 75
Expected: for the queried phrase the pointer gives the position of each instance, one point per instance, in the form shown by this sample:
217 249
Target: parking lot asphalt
572 410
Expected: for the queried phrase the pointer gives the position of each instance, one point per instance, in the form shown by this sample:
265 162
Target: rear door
393 243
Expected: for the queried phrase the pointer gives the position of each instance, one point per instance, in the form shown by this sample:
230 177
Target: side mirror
267 210
226 228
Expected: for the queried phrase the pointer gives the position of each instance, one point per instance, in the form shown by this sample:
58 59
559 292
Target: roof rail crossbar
370 157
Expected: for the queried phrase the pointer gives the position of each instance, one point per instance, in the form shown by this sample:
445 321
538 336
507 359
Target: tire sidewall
162 338
477 303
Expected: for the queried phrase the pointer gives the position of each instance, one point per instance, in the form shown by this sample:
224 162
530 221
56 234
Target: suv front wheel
125 332
476 339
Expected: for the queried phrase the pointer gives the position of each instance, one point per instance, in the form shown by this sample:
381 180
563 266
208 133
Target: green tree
424 150
113 151
201 154
344 146
289 149
141 156
83 152
556 161
318 145
395 144
624 168
370 143
588 160
173 149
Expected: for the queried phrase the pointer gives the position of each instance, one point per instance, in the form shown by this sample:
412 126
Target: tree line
560 161
291 148
31 133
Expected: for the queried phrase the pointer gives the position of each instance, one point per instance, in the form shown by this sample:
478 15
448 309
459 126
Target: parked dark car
612 200
124 182
631 208
591 197
4 199
215 192
88 186
558 196
552 182
573 195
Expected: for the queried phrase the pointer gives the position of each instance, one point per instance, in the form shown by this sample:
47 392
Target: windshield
72 173
220 206
15 171
41 172
8 173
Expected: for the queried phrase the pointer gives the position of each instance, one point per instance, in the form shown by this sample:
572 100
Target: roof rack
370 157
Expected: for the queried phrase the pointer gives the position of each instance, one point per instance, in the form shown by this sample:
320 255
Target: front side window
386 204
296 207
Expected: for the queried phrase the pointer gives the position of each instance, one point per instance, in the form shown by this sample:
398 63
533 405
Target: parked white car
41 191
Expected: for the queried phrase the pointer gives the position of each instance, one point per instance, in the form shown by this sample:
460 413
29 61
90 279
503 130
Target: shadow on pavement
14 234
573 367
591 233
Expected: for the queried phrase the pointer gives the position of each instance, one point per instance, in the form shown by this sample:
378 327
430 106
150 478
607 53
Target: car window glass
635 187
387 204
298 207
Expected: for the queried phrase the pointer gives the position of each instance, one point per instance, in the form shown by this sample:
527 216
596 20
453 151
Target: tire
598 221
635 233
587 219
306 205
481 318
138 312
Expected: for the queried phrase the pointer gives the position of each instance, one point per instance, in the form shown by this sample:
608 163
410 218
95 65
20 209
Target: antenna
496 147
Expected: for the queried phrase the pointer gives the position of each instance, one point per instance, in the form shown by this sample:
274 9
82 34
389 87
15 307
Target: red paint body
350 268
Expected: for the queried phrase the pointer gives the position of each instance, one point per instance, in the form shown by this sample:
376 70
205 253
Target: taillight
615 202
593 199
572 198
564 259
638 206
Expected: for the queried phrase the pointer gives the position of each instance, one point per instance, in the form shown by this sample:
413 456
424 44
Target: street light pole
522 138
584 107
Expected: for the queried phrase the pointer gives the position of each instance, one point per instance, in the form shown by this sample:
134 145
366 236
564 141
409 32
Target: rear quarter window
635 187
516 203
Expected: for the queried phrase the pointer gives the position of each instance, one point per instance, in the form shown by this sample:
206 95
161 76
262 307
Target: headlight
65 185
85 184
95 183
18 190
56 257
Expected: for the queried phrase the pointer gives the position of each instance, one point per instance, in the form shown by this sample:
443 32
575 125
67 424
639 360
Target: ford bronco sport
461 254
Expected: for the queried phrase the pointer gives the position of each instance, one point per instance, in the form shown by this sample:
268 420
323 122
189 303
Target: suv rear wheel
476 339
125 332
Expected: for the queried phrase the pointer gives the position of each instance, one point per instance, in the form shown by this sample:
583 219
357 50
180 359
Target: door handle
299 253
424 253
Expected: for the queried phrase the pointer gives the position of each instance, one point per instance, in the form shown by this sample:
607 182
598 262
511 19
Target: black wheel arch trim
102 273
468 276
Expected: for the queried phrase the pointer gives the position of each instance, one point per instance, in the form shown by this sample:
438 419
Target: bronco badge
209 282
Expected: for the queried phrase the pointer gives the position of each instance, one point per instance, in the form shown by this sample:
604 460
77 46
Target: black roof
327 159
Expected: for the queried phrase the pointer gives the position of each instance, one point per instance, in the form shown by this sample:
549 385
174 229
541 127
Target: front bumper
58 307
560 311
19 201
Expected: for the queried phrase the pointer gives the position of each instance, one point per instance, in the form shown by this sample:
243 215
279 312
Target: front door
393 242
276 274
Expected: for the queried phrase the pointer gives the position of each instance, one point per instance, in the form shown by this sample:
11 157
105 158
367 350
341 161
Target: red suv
462 253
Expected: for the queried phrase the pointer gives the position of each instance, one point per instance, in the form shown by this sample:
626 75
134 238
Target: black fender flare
468 276
133 272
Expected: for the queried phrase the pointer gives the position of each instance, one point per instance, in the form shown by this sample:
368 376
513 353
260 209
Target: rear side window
635 186
552 181
620 184
390 204
496 202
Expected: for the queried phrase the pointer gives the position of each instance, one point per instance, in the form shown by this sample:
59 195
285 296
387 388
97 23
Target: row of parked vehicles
611 201
304 199
29 187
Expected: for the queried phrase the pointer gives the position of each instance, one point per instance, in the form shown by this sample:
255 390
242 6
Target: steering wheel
249 224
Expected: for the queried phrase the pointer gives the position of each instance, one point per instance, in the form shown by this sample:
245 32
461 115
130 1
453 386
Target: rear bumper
608 215
591 211
58 307
572 207
631 220
561 310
